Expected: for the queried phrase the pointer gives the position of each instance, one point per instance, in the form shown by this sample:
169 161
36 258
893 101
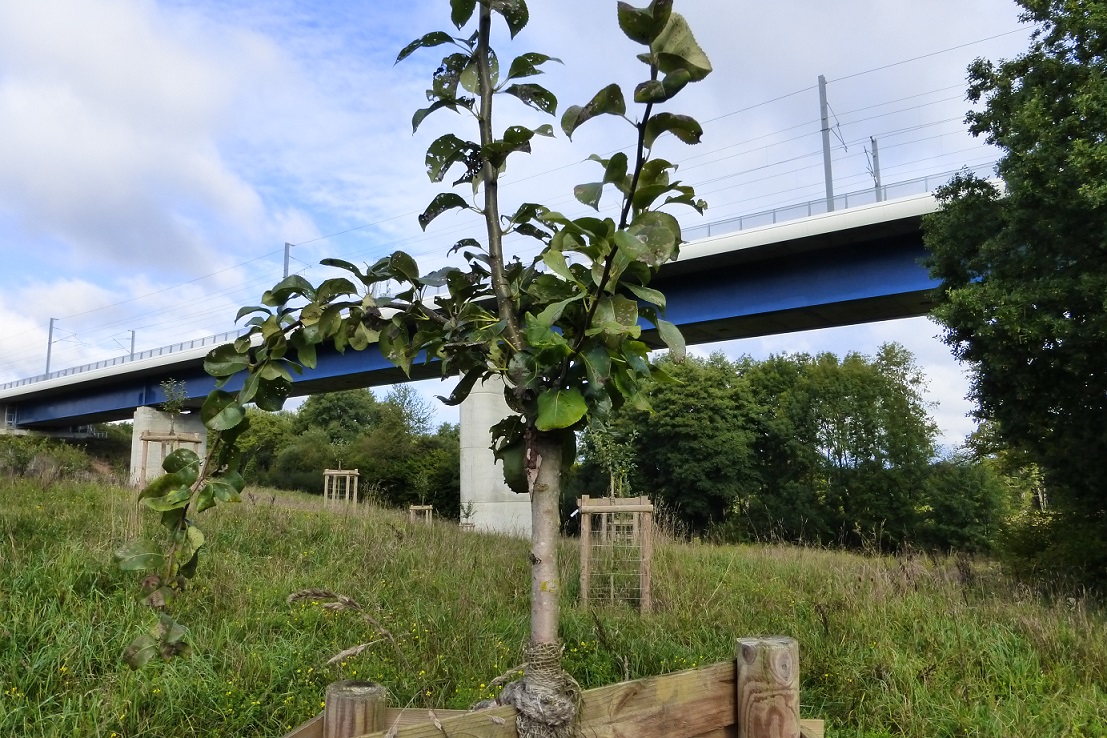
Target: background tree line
401 460
804 449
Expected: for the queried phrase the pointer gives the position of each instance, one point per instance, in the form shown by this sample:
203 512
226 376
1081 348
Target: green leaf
139 556
609 101
242 312
440 204
221 410
513 457
434 38
461 11
552 313
420 115
305 354
653 238
535 96
676 49
176 500
291 286
643 25
589 194
560 408
444 152
597 364
647 294
682 126
180 460
514 12
464 387
223 490
673 338
272 393
555 260
205 499
526 65
403 266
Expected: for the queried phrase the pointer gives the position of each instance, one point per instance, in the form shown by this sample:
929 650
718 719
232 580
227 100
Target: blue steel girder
857 274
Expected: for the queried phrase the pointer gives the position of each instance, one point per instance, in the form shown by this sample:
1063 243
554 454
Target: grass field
889 647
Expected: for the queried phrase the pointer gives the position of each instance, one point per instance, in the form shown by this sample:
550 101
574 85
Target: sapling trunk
545 496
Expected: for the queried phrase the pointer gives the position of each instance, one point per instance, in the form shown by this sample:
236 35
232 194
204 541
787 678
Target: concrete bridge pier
157 434
495 507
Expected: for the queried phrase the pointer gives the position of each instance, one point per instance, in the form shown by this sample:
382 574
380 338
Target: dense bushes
804 449
400 462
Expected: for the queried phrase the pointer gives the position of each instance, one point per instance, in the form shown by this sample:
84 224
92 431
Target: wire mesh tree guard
616 545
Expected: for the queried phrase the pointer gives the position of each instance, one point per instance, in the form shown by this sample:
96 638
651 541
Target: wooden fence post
354 708
768 687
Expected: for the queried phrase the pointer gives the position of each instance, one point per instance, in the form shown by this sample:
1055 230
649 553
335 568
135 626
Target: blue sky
155 156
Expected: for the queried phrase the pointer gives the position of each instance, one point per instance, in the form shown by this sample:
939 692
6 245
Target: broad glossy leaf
653 238
444 152
589 194
461 11
139 556
552 313
682 126
676 49
526 65
560 408
178 499
404 266
180 460
205 499
243 312
609 100
446 78
441 203
513 457
305 354
291 286
343 264
272 393
464 387
434 38
597 364
643 25
514 12
673 338
555 260
647 294
535 96
249 388
221 410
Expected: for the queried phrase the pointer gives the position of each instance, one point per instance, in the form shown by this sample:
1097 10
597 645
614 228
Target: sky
156 155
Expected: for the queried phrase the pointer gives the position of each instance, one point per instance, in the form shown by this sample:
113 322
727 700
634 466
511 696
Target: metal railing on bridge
217 339
915 186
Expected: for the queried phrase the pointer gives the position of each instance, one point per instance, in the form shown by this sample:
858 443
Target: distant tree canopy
1024 272
388 441
806 449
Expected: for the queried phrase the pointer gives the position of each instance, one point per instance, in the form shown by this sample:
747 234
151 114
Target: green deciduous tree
1024 268
562 330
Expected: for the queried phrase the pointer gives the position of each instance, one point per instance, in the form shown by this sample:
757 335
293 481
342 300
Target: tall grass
889 647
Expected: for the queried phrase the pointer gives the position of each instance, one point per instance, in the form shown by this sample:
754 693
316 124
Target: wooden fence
754 696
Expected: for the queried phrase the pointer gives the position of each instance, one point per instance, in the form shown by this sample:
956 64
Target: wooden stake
354 708
585 551
768 687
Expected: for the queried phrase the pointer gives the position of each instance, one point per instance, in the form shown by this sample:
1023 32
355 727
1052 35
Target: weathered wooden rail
754 696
